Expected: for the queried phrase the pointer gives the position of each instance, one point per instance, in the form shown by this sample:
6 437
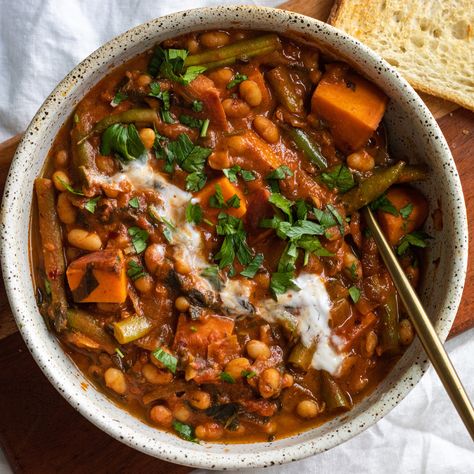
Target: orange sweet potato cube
352 106
98 277
228 191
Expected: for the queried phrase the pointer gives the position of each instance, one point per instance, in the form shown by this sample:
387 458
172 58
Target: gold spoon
424 329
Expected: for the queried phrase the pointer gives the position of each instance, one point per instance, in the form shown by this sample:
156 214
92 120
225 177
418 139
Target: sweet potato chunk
352 106
196 336
228 192
414 208
98 277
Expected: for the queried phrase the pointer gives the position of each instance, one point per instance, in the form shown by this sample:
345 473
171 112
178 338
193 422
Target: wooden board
41 433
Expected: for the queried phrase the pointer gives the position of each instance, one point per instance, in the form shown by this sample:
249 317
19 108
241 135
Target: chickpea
214 39
60 177
361 161
266 129
147 136
154 256
309 409
219 160
182 413
236 366
61 159
192 46
235 108
155 376
200 400
161 415
406 332
270 427
269 382
84 240
237 144
250 92
287 380
105 164
66 211
115 379
182 267
209 431
222 76
371 341
182 304
258 349
143 80
144 284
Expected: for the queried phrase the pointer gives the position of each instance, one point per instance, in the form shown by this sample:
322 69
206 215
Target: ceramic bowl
413 134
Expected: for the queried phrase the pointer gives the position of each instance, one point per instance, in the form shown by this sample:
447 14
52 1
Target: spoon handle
424 329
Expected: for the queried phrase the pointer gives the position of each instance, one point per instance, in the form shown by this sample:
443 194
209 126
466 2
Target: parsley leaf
68 187
406 210
135 271
124 141
184 431
354 293
281 172
193 213
217 200
212 275
384 204
134 202
226 377
91 204
190 121
232 173
415 239
248 374
168 360
247 175
281 203
197 106
339 178
139 238
164 96
281 282
253 266
313 245
169 63
118 97
237 79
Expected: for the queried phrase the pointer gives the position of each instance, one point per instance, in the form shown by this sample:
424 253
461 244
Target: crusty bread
431 42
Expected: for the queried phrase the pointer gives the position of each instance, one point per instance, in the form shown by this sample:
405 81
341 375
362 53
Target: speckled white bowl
413 134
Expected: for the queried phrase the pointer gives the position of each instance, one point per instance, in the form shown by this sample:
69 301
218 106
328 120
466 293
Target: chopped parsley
139 238
135 271
164 96
204 127
354 293
232 173
384 204
68 187
119 352
248 374
226 377
281 172
184 431
193 213
212 275
339 178
191 122
118 97
237 79
169 63
406 211
124 142
217 200
253 266
197 106
415 239
91 204
168 360
134 202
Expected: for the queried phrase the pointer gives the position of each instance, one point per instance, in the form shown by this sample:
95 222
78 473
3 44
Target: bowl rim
190 456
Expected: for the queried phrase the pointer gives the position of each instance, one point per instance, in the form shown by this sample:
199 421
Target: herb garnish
184 431
168 360
197 106
406 211
164 96
253 266
68 187
124 141
415 239
91 204
217 200
237 79
211 273
248 374
118 97
193 213
226 377
232 173
139 238
354 293
339 178
135 271
134 202
383 203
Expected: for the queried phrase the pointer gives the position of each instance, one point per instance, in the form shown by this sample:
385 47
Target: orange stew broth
257 413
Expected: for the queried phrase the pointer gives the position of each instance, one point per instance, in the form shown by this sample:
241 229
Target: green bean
129 116
371 188
413 173
301 356
86 324
233 60
52 245
389 325
308 147
132 328
246 48
83 157
284 88
333 395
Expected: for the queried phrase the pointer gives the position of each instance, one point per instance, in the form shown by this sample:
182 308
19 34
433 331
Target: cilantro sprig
123 141
233 173
339 178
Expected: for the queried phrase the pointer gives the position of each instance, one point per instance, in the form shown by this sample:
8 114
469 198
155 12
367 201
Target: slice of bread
431 42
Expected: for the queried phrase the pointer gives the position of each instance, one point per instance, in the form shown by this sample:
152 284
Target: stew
201 255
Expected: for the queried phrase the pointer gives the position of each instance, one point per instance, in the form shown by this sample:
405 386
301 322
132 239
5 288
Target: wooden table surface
40 432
